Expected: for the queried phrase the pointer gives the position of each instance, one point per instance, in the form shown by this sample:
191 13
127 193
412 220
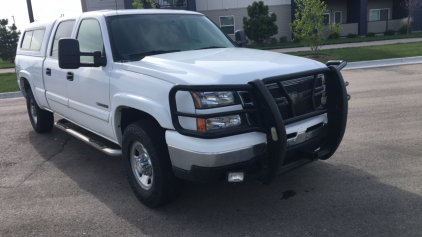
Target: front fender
147 105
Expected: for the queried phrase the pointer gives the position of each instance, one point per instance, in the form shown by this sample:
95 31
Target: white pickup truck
178 99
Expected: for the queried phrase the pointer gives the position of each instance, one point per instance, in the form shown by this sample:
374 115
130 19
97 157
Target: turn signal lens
201 125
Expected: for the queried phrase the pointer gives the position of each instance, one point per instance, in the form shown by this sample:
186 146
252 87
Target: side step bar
96 144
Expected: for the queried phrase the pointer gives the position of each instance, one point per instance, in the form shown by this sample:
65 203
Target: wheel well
26 86
131 115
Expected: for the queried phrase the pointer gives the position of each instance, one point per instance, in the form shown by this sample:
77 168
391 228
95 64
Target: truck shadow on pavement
319 199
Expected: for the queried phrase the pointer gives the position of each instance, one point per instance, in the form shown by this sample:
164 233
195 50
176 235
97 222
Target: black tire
42 121
165 186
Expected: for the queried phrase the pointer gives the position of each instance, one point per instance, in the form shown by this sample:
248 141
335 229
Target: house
355 16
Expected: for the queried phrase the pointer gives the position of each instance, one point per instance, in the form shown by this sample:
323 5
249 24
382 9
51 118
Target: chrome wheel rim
141 165
33 112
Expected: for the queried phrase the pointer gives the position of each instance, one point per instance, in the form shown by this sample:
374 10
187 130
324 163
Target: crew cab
178 100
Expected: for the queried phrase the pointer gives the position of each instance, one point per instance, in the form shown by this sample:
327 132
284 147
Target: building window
379 14
337 17
326 18
227 24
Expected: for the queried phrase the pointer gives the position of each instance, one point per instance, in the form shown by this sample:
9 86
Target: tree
9 37
261 25
309 27
139 4
410 6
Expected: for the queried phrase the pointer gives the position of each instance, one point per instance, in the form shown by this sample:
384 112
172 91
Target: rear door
89 92
55 80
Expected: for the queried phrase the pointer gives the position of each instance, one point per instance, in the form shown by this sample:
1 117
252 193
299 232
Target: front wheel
147 164
42 121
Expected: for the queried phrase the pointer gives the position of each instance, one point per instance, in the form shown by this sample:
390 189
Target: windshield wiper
212 47
154 52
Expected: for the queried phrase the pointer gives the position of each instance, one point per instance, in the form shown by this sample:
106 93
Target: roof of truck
144 11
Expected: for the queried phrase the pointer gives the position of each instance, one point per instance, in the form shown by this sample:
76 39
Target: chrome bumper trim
304 136
185 159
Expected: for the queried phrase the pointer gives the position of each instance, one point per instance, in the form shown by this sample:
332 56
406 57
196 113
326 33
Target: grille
293 97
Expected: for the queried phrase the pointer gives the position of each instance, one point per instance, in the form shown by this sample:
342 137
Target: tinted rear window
36 41
26 42
32 40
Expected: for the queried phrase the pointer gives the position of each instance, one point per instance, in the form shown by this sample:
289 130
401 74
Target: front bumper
281 150
191 162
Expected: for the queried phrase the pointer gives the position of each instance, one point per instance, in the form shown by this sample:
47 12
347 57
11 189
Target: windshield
135 36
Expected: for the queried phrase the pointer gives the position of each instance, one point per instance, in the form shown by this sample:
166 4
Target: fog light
236 177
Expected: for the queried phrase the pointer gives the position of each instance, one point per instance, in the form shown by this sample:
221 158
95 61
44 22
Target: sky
43 10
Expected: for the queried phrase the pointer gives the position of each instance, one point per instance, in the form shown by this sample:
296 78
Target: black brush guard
265 105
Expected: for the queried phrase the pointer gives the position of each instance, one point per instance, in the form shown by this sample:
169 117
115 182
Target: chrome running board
96 144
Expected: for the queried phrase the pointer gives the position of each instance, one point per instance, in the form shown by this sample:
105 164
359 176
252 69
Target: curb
11 95
383 63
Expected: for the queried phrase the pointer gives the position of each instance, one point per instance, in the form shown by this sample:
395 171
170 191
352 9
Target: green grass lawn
342 41
6 64
369 52
8 82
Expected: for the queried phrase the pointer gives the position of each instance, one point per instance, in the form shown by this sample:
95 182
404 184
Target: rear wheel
42 121
147 164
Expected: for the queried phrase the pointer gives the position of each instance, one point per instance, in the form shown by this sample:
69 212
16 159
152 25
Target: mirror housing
70 55
240 38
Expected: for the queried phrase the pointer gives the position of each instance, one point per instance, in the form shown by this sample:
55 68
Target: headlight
206 100
218 123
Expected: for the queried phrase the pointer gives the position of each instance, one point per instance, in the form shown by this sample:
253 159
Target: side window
63 30
90 39
36 41
26 42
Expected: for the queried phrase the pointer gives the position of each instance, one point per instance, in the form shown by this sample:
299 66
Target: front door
88 91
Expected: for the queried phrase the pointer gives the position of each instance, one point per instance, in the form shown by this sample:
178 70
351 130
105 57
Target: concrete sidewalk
350 45
6 70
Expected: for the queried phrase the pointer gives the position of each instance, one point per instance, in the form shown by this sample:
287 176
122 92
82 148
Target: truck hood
219 66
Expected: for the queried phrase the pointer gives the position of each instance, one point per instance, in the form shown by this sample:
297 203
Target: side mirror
240 38
70 55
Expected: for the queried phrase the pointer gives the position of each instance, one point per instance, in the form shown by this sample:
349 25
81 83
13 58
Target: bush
370 34
260 25
350 35
283 39
296 40
403 30
273 41
389 32
334 35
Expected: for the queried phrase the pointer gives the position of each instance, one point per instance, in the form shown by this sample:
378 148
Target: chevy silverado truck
179 99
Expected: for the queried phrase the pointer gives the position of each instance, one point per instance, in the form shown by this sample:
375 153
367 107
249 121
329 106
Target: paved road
350 45
54 185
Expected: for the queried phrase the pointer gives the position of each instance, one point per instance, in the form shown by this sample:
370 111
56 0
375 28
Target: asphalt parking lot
55 185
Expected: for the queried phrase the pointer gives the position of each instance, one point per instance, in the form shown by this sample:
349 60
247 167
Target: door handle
48 71
69 76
